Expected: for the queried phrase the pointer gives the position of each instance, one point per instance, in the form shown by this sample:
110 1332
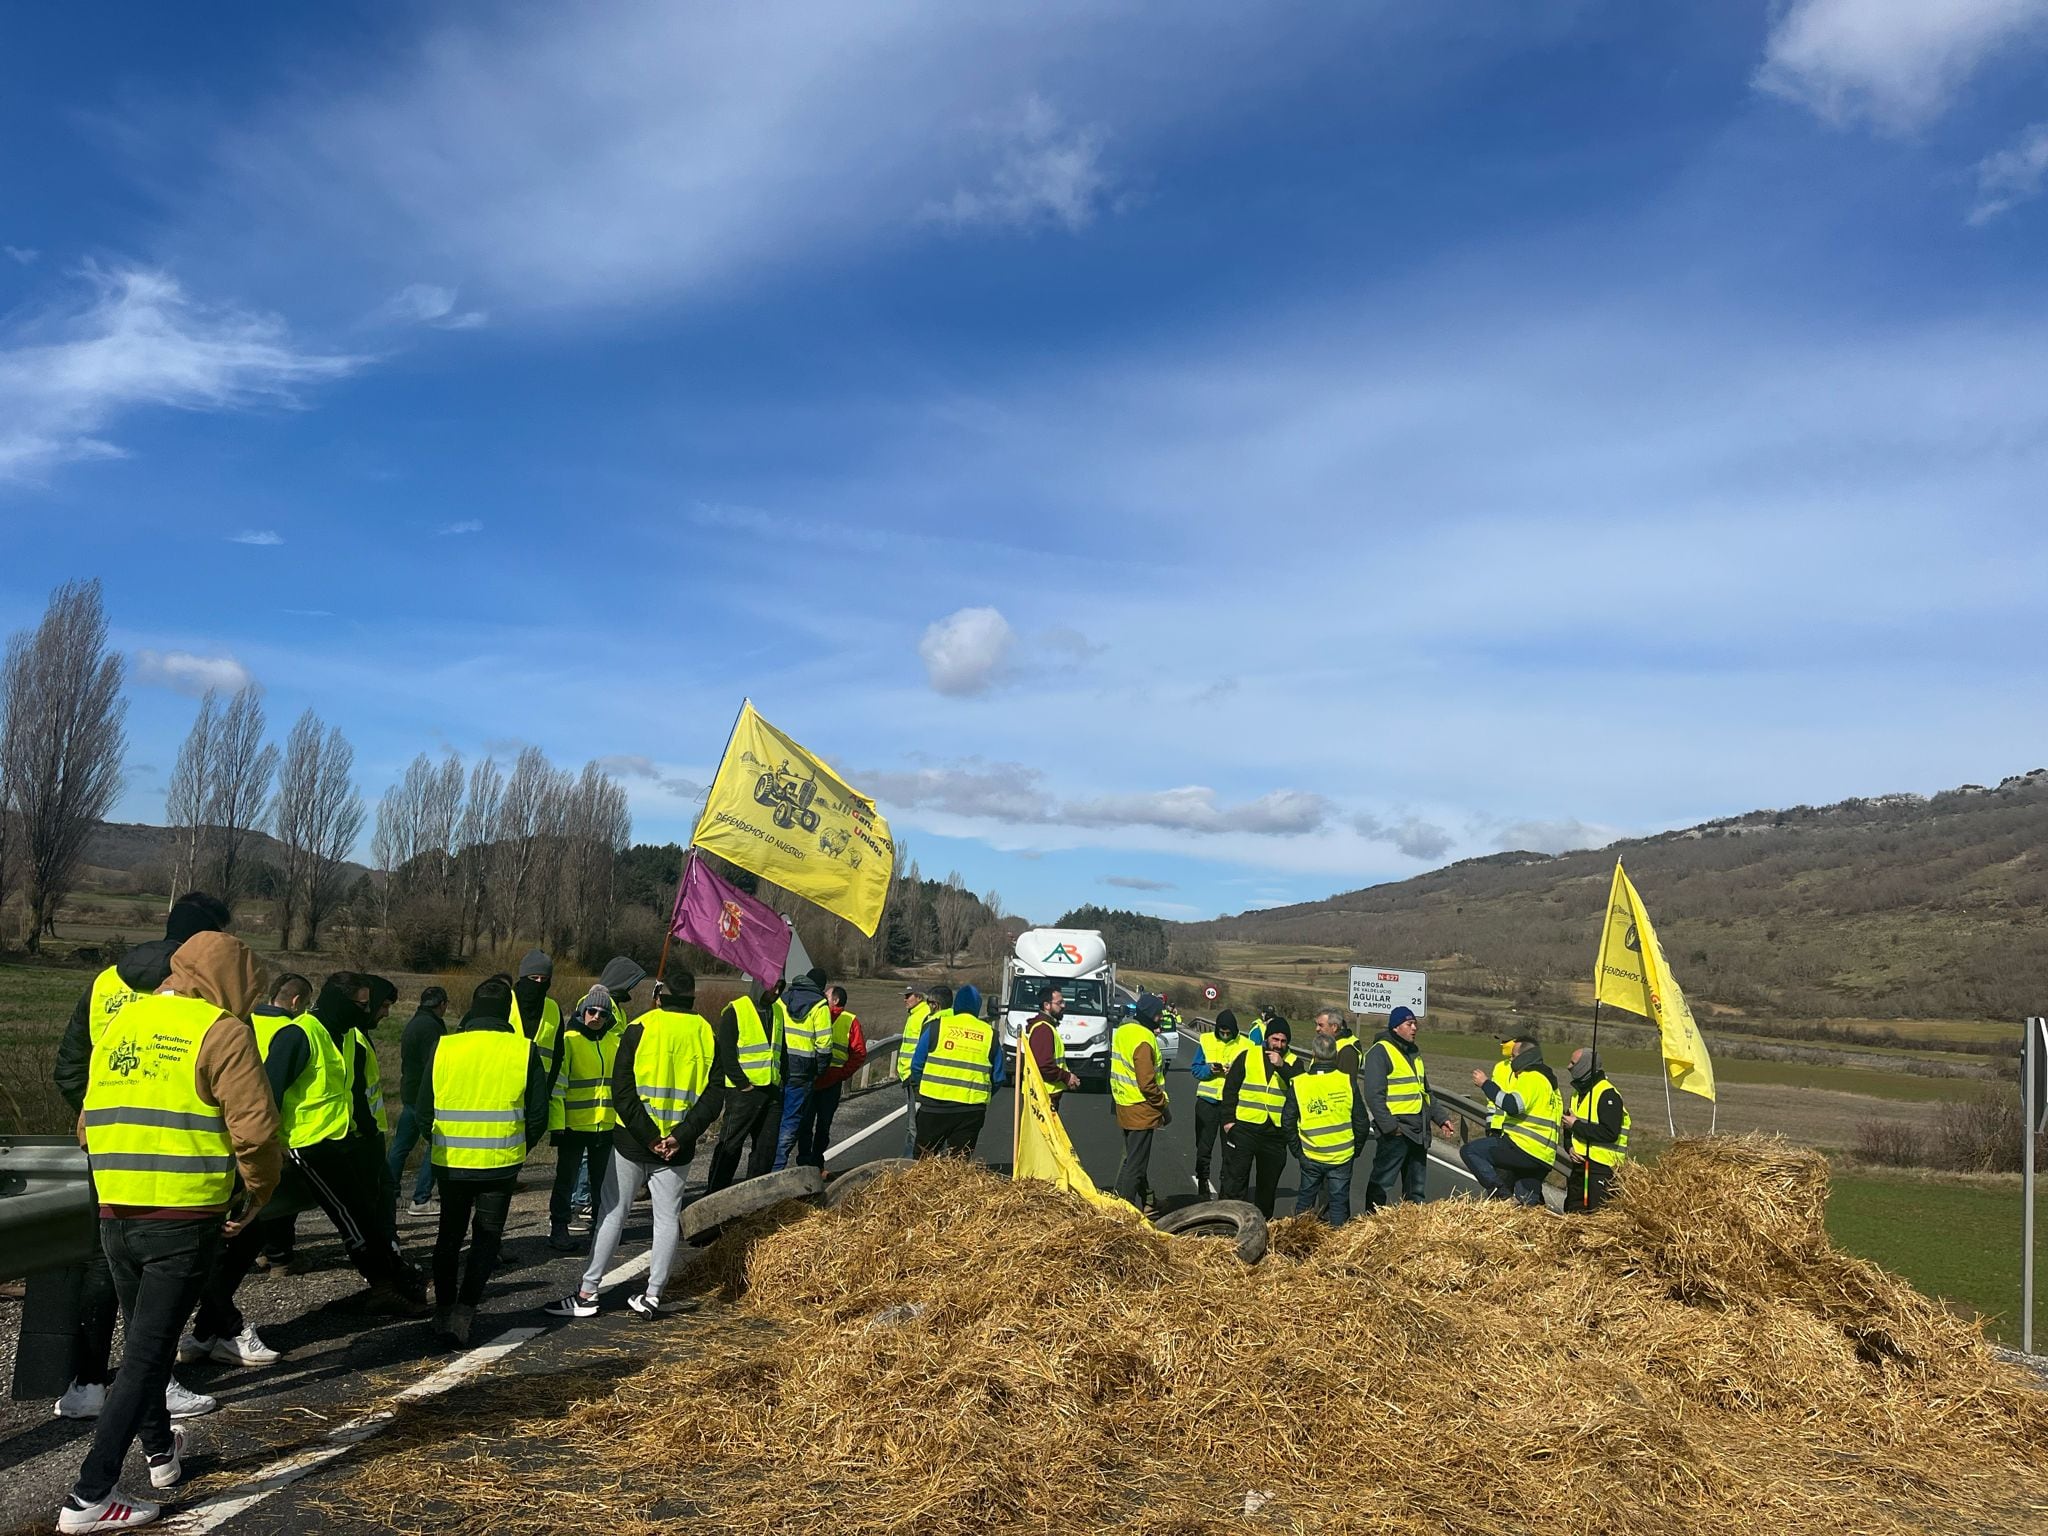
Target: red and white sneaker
116 1512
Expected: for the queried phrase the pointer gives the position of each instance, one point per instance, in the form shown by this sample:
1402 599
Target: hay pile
950 1352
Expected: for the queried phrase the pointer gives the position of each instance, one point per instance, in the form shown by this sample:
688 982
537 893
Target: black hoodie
337 1009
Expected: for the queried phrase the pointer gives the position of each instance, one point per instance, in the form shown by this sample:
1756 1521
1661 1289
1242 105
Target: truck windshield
1026 992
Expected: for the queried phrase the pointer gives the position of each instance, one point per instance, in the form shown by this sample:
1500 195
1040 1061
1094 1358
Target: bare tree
292 815
384 856
402 819
476 854
238 787
599 828
517 836
956 914
440 813
61 741
336 823
190 792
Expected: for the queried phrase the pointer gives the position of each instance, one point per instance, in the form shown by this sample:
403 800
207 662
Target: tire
854 1180
1238 1220
704 1219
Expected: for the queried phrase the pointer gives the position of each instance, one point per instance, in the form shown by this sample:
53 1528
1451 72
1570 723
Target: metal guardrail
46 1210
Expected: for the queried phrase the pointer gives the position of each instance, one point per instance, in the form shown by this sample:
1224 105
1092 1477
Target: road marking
866 1131
211 1513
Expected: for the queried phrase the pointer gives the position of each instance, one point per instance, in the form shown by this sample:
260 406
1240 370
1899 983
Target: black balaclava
532 992
1226 1025
336 1005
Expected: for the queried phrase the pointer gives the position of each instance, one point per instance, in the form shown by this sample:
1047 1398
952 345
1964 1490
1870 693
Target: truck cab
1076 961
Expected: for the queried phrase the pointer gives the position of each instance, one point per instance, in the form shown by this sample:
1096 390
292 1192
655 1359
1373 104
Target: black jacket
725 1037
415 1050
635 1134
1606 1130
290 1052
536 1102
144 968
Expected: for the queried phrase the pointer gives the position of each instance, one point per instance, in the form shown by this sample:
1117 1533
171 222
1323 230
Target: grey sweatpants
620 1191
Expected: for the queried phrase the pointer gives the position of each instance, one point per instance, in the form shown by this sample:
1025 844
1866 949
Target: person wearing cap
1597 1125
1138 1090
1254 1104
748 1061
915 1011
483 1104
1502 1072
1216 1051
1515 1160
805 1018
415 1049
1041 1037
580 1117
959 1064
1317 1117
1395 1085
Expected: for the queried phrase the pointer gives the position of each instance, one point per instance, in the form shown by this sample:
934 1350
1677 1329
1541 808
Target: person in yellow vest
175 1109
290 995
749 1065
915 1011
376 1140
1516 1159
806 1019
1502 1073
1395 1083
958 1065
849 1055
140 970
580 1117
1254 1105
666 1092
1597 1125
483 1105
1318 1118
1137 1087
534 1013
1041 1037
1216 1051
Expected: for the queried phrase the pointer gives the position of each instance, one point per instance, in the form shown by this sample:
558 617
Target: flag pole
690 853
1016 1102
1586 1192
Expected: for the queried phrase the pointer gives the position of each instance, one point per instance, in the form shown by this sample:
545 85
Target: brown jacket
229 1069
1151 1114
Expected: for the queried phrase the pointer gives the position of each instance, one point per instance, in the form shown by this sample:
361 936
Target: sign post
2033 1065
1377 989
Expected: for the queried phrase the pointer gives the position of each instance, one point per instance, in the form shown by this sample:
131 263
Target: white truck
1077 962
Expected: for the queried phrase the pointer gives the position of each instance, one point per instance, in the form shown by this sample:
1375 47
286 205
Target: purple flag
730 924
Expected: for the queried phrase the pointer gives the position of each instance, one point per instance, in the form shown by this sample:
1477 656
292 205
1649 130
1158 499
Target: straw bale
949 1352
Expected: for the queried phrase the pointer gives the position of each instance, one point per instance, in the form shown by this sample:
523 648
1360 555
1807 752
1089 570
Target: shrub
1890 1144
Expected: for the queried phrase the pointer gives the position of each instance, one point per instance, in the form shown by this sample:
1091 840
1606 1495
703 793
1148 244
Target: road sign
2037 1029
1211 993
1375 989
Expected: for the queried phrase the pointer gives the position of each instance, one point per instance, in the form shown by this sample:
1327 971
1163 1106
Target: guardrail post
49 1332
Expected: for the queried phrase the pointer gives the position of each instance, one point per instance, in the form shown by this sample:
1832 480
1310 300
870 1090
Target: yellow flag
780 812
1043 1150
1632 973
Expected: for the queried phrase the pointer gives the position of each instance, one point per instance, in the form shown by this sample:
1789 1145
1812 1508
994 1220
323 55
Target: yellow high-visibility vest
842 1035
760 1053
548 1037
1407 1082
1503 1074
316 1106
480 1098
959 1069
1053 1086
582 1098
1538 1127
1219 1053
110 994
1260 1098
1587 1107
809 1036
1123 1060
151 1139
913 1031
1322 1104
672 1063
373 1076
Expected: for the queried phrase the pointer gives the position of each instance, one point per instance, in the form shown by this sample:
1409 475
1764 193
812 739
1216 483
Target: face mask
1507 1050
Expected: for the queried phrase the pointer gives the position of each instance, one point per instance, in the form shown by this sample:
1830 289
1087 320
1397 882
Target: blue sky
1192 457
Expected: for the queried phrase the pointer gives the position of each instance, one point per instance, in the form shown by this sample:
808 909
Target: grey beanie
537 963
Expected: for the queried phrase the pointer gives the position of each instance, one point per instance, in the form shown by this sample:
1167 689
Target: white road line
211 1513
866 1131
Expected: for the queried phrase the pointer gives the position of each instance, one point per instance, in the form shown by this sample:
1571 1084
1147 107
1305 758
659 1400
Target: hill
1902 906
141 857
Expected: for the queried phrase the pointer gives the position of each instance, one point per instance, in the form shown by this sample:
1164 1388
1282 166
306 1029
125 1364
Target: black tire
858 1178
1238 1220
704 1219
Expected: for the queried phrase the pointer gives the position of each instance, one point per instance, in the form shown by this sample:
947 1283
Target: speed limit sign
1211 993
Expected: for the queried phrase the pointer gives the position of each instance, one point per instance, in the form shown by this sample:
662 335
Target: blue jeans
796 1096
404 1137
1499 1165
1318 1177
909 1118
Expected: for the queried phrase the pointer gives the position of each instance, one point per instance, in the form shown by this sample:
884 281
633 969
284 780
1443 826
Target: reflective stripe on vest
672 1064
110 994
1587 1107
1219 1053
809 1036
316 1105
1504 1075
959 1069
1537 1129
1407 1083
549 1036
480 1098
1123 1060
151 1139
913 1031
1322 1100
760 1056
583 1086
373 1076
1260 1099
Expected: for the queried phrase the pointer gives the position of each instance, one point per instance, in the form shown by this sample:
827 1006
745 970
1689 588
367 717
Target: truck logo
1070 953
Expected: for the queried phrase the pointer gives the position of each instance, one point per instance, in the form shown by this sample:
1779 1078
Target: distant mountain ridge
133 848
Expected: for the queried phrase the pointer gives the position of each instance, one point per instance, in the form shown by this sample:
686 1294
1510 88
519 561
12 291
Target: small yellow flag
1043 1150
780 812
1632 973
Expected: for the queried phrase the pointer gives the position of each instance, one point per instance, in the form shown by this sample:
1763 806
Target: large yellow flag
1043 1150
780 812
1632 973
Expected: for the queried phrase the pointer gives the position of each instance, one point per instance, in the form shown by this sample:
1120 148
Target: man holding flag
1631 972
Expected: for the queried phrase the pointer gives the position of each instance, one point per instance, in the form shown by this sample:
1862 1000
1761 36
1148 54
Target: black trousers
328 1174
754 1116
1254 1157
594 1150
1134 1176
1208 1126
1400 1170
472 1209
1588 1187
157 1268
947 1130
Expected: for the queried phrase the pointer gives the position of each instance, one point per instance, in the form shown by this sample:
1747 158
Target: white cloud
428 304
1412 835
964 652
261 538
21 255
1194 808
2012 176
183 672
1044 173
137 341
1137 883
456 530
1897 63
1015 794
1566 835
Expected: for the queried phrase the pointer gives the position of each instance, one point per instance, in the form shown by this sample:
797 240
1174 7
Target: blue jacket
1200 1067
967 1000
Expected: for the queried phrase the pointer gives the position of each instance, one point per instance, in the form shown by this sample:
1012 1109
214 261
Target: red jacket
856 1051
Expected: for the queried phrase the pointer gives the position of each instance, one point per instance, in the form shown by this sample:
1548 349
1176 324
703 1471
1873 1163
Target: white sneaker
245 1348
82 1400
116 1512
423 1208
184 1403
192 1349
168 1470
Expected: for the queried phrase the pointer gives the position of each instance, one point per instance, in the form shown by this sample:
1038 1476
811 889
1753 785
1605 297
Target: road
259 1465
